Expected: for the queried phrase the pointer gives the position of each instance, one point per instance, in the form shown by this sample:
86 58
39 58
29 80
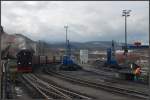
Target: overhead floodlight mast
66 27
126 13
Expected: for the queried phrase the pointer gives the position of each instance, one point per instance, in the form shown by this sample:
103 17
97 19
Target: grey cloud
89 20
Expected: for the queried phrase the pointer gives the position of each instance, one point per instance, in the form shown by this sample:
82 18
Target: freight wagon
26 60
42 60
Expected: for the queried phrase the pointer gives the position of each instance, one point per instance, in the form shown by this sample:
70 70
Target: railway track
49 91
99 85
114 80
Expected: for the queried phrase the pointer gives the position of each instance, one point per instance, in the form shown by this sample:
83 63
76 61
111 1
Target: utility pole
39 48
149 72
66 27
1 32
113 49
126 13
43 46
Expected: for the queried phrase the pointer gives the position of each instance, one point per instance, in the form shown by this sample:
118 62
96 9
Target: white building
83 56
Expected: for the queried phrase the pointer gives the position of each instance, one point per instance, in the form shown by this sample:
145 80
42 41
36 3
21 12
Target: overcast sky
87 20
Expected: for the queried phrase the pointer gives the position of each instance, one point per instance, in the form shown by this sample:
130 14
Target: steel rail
40 82
50 87
100 85
46 90
114 81
33 85
68 92
53 93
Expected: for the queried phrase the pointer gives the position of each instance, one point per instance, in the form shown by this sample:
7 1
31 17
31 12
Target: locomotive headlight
29 62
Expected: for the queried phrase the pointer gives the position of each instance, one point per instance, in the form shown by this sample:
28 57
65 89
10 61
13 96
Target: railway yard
30 76
74 50
46 82
107 75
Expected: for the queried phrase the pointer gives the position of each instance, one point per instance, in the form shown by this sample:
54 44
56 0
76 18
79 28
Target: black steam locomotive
24 61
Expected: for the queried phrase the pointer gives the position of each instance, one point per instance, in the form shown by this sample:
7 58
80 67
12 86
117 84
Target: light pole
126 13
1 32
66 27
